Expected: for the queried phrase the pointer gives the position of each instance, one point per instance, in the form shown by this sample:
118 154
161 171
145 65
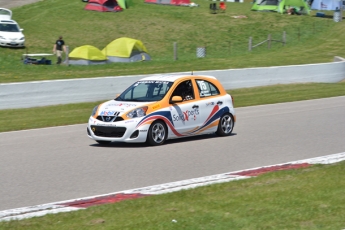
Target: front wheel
226 125
157 133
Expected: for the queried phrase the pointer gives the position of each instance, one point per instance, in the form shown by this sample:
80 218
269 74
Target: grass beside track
308 198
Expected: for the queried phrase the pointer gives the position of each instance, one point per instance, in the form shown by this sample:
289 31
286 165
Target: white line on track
72 205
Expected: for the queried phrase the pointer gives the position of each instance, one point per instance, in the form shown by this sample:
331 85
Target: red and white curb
77 204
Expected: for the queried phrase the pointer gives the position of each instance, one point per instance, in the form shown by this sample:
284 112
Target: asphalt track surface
55 164
9 4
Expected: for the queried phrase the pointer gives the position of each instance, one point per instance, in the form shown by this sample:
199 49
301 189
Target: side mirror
176 99
21 30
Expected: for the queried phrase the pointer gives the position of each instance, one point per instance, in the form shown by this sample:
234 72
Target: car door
185 115
209 104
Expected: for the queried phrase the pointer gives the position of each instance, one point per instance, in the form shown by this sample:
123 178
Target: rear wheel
157 133
226 125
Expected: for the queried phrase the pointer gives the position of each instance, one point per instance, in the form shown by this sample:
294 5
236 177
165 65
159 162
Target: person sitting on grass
292 11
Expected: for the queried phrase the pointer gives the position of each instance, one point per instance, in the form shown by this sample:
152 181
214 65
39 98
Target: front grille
11 44
113 118
107 131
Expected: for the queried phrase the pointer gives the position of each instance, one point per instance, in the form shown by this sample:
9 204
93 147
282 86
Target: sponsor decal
106 124
129 121
187 115
142 130
157 106
107 113
122 104
209 103
151 82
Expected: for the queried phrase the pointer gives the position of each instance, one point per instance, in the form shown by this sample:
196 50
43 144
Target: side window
206 88
160 90
185 90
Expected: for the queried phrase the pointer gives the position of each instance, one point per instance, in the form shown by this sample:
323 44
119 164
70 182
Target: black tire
157 133
226 125
103 142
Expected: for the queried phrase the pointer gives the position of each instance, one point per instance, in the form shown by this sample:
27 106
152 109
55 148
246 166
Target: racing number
204 91
202 85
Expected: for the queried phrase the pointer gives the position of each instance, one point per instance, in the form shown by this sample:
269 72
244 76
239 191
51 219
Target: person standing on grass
59 47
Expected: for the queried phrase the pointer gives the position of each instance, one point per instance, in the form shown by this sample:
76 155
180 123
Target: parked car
10 33
163 107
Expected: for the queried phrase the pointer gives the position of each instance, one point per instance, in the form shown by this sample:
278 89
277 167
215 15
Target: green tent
87 52
122 3
265 5
280 6
123 47
126 50
87 55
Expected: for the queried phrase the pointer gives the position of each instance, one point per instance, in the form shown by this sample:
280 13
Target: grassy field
310 39
309 198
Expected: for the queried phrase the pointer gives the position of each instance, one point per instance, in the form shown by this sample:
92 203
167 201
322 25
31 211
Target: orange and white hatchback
163 107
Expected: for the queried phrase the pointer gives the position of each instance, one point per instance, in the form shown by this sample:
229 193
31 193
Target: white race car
10 33
158 108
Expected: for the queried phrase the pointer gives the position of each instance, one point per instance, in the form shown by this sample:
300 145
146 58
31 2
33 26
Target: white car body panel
187 118
8 37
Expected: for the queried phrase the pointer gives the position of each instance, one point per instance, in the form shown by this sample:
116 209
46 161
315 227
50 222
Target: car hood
110 107
12 35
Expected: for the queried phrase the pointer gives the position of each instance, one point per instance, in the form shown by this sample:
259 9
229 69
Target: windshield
9 27
145 91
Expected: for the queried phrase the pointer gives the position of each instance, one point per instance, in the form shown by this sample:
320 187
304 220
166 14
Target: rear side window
206 88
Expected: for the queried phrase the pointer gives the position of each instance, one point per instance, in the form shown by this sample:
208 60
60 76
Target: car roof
173 78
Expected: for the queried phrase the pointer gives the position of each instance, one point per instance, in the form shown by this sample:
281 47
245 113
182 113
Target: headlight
94 111
2 37
22 38
139 112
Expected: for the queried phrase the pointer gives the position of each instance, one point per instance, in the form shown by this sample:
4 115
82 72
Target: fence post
284 38
229 47
67 54
341 13
175 51
269 41
250 44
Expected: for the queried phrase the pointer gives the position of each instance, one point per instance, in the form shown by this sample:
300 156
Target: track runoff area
83 203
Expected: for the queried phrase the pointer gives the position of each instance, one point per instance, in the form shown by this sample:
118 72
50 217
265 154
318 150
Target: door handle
195 107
